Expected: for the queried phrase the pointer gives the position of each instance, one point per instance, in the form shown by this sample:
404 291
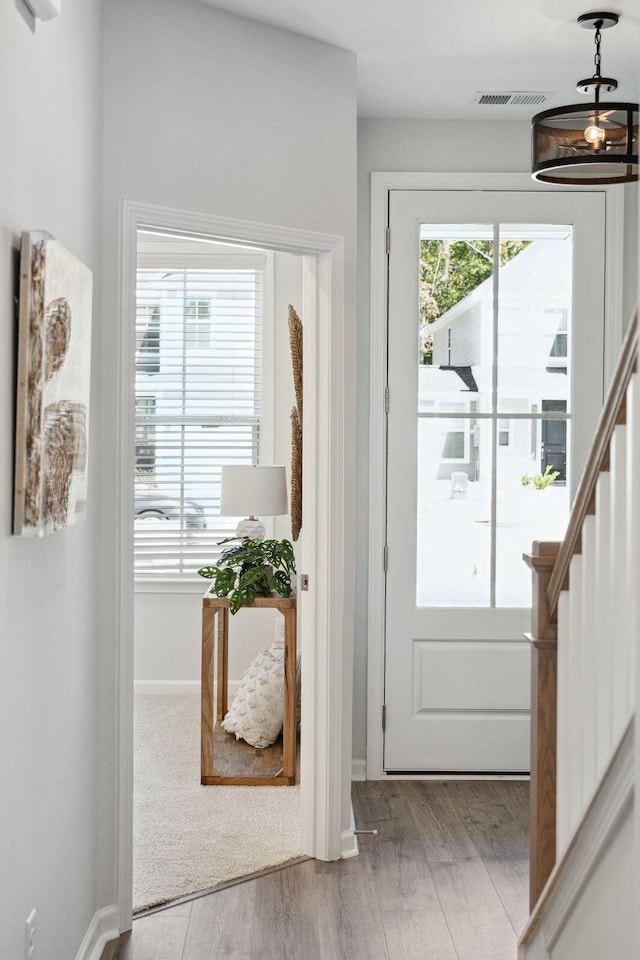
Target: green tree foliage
449 270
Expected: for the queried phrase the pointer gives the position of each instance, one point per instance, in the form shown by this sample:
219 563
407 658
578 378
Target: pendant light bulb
594 134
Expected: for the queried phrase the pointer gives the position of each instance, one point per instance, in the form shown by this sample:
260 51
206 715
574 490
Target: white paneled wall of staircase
597 633
587 910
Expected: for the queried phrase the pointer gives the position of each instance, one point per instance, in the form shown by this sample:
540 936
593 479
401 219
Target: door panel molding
381 185
489 728
449 692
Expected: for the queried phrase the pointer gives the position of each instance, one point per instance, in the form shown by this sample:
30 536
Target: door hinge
384 716
388 241
385 557
386 400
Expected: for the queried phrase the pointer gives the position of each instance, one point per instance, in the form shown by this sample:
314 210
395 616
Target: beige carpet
187 837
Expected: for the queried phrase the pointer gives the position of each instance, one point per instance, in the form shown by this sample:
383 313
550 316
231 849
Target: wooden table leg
290 695
206 695
222 680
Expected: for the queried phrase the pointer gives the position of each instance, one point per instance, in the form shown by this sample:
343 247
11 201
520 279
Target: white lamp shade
253 492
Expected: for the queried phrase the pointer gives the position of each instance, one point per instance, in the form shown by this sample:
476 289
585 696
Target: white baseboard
358 769
172 688
509 777
103 927
349 841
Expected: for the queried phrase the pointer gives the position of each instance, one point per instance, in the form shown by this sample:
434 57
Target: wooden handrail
613 413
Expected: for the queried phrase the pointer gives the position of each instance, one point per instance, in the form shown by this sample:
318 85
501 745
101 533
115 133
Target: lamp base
251 527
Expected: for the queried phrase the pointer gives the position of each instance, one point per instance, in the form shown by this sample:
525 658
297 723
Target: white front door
495 372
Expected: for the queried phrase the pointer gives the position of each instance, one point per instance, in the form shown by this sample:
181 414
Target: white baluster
600 627
589 656
632 590
564 757
618 585
573 711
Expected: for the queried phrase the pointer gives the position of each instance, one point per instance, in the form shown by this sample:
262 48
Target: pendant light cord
597 58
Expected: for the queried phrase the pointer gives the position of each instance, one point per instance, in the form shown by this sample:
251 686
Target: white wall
167 621
601 923
50 168
168 641
601 907
208 112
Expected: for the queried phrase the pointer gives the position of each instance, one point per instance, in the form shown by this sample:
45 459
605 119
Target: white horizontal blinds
198 406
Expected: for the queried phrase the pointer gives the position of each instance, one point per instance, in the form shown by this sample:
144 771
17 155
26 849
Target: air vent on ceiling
515 98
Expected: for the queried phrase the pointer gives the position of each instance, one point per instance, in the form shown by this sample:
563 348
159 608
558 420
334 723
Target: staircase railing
580 633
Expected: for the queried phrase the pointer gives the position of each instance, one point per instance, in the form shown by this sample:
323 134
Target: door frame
381 185
326 610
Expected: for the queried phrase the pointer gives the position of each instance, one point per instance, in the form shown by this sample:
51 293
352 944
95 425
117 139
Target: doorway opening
213 388
325 556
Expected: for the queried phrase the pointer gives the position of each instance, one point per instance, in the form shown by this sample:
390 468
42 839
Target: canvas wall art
54 370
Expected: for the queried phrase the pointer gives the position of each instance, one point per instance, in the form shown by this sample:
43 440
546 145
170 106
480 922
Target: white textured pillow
257 710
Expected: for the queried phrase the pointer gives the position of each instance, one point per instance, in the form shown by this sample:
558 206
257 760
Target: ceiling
419 59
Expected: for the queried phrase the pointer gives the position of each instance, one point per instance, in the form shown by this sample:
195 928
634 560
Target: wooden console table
211 732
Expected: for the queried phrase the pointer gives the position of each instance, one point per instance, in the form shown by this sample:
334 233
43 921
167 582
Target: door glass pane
456 292
488 396
454 510
534 316
532 500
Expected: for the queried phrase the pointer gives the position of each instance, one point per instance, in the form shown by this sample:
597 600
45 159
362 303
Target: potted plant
250 569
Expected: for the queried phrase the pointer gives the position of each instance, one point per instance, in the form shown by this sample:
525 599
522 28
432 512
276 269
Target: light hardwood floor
445 879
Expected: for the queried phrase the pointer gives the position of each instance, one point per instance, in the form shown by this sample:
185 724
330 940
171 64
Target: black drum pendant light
588 143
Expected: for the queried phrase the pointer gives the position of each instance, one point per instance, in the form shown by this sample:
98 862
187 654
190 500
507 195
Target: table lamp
252 492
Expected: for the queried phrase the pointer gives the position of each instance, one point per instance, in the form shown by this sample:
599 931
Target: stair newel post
544 683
